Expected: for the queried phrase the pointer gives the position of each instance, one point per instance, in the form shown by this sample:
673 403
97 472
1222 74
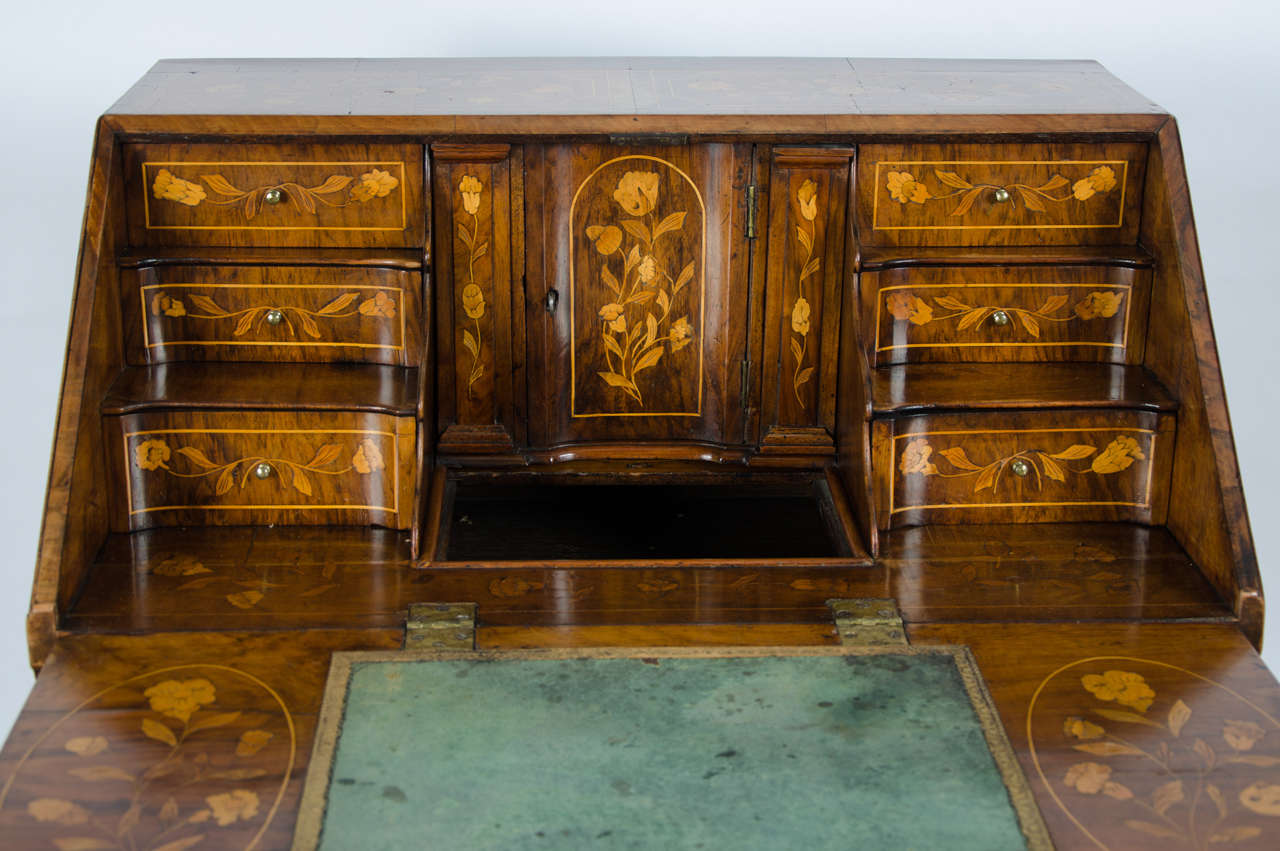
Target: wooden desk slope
638 352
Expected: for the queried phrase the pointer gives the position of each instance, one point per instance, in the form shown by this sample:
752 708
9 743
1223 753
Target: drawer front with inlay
1000 194
275 195
1006 313
273 313
1023 467
193 468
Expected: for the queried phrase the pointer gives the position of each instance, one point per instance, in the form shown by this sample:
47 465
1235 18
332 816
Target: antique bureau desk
645 352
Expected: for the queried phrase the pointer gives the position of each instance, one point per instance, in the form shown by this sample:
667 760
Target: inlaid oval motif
636 291
193 755
1143 754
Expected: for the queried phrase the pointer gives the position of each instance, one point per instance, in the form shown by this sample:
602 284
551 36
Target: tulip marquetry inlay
638 291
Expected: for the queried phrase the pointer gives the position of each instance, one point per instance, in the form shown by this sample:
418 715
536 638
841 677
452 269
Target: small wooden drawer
275 195
1008 194
1006 313
227 468
1023 467
273 313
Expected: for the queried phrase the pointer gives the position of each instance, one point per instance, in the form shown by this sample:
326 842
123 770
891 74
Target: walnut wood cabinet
643 352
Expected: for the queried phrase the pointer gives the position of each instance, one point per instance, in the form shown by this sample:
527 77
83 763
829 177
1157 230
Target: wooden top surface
608 86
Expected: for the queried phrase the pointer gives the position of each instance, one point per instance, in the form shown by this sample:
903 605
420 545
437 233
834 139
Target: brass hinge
869 622
440 626
751 211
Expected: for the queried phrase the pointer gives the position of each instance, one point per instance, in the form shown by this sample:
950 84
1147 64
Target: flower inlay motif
637 323
188 773
469 190
338 190
806 233
253 318
1118 455
156 454
906 306
905 188
1192 802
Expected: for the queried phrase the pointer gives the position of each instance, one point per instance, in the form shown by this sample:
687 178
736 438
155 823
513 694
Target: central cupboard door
636 292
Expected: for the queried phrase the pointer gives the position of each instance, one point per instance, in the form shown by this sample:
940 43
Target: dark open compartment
574 520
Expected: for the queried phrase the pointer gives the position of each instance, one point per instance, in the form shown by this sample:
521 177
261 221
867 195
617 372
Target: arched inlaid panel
637 291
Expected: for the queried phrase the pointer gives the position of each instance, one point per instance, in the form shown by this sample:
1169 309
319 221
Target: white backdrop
1213 65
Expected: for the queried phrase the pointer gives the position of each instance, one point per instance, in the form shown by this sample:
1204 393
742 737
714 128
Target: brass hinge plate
440 626
751 211
869 621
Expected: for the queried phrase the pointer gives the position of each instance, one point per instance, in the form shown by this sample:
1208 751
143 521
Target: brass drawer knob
999 318
275 317
1002 195
273 196
262 470
1020 468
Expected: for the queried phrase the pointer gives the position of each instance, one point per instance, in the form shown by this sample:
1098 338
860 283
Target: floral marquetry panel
231 468
478 329
641 277
276 313
1140 753
1136 736
637 291
166 743
1018 467
1006 313
276 195
1059 194
808 189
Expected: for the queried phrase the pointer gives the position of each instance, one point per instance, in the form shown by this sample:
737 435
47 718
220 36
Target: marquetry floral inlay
469 190
156 454
338 190
1118 455
806 231
189 738
905 306
253 318
245 585
906 189
636 323
1192 811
